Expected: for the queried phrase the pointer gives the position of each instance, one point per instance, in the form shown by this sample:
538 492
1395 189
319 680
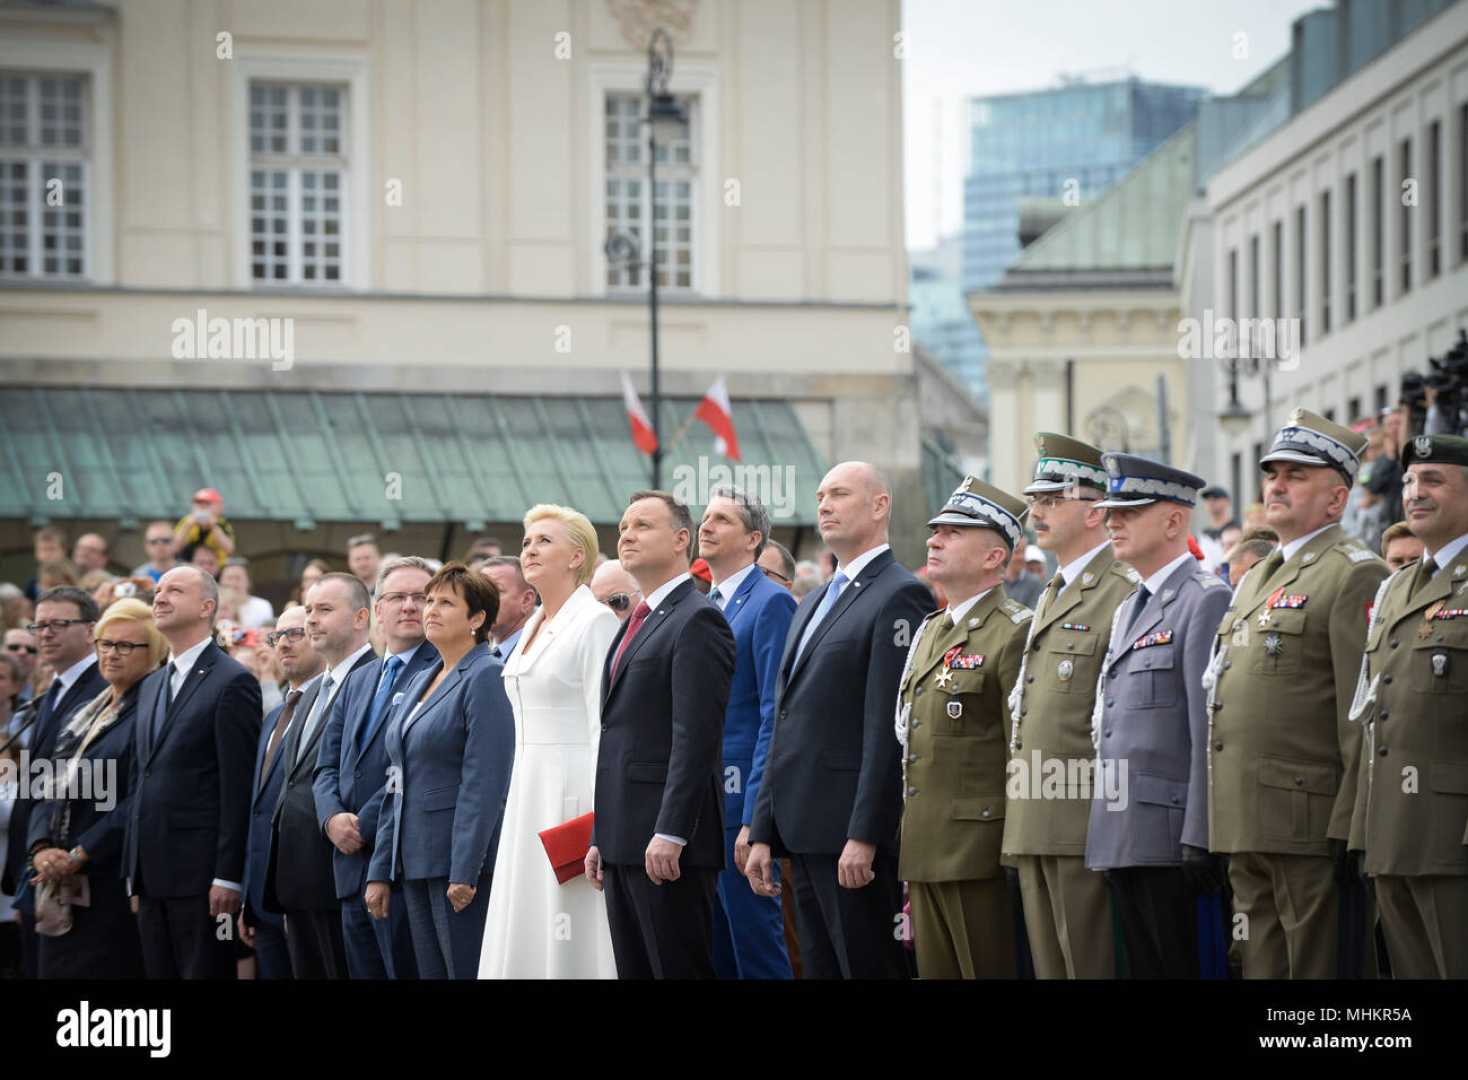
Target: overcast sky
957 49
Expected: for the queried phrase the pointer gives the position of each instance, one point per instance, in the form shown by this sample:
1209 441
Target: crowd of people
1080 741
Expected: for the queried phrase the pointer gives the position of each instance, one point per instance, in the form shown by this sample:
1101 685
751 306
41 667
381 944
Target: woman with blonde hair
76 836
553 677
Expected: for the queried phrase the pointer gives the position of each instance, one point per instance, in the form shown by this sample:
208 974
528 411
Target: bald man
613 586
831 796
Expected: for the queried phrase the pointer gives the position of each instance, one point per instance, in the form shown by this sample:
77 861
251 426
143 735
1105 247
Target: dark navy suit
749 930
272 960
351 773
190 813
449 771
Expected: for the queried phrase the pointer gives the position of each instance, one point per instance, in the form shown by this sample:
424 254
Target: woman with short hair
554 682
78 834
450 743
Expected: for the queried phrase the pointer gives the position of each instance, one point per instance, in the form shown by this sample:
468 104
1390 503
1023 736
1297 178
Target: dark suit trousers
661 931
314 940
749 929
446 943
378 948
1158 921
181 941
849 933
272 957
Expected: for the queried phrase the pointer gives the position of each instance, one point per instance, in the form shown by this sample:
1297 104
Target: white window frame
352 72
700 81
93 60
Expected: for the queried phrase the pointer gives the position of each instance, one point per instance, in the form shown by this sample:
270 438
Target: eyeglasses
160 540
56 625
294 633
775 575
418 598
121 648
1049 502
619 601
16 646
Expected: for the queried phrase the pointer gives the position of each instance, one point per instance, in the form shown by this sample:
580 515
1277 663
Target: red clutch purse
566 846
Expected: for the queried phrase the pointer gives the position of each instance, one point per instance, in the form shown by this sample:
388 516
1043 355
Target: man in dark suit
197 725
749 932
64 620
831 791
261 929
299 882
658 839
351 771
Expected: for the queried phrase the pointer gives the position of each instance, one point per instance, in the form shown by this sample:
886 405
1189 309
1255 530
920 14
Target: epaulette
1209 581
1354 550
1127 572
1017 612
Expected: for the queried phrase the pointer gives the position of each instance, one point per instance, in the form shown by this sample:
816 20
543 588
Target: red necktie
634 624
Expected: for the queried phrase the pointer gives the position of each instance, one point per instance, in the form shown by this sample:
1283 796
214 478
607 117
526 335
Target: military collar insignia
1161 637
1087 578
973 622
1309 556
1168 594
1460 571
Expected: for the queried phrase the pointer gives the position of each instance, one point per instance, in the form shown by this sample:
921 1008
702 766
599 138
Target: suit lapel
650 626
450 681
1071 596
1441 587
1285 576
955 634
735 607
849 596
290 745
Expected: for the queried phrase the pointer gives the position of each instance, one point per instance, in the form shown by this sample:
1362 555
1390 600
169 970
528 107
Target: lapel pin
1087 578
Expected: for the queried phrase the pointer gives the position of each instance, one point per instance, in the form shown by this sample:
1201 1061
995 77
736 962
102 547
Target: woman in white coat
538 928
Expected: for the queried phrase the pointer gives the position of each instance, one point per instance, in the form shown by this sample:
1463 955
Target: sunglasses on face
294 633
16 646
619 601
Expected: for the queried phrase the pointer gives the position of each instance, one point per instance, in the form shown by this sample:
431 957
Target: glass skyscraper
1077 139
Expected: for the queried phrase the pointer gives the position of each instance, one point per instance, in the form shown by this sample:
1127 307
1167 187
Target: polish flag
715 411
642 433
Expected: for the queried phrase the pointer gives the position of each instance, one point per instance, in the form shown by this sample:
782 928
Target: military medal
1273 645
1083 627
1425 630
1065 670
944 676
955 709
1439 664
1263 618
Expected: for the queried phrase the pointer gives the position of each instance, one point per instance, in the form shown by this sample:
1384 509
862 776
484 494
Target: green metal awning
309 457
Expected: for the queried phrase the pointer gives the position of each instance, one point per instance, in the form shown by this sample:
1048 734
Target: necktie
390 672
828 601
718 598
160 715
323 702
1271 564
1048 596
634 624
1425 569
1143 595
282 722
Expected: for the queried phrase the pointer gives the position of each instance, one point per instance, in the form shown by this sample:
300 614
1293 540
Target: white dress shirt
1445 555
338 675
1072 570
730 585
854 568
957 611
1288 550
180 668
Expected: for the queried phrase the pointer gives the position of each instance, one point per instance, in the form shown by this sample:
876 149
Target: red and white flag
715 411
642 434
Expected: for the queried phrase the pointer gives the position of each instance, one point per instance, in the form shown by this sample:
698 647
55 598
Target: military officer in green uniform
1411 815
1282 751
1067 909
953 723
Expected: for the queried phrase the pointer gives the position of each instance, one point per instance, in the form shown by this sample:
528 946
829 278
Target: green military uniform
1411 813
1282 751
953 721
1067 909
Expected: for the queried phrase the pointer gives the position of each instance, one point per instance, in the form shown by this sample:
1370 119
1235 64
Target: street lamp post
663 114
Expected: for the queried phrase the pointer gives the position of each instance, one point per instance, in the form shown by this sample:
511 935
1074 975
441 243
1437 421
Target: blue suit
272 961
441 813
350 777
749 930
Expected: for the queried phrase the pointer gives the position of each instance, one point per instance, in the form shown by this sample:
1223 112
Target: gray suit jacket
1151 793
